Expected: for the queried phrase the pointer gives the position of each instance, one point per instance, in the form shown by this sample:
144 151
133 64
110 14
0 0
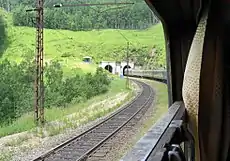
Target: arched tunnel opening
109 68
125 68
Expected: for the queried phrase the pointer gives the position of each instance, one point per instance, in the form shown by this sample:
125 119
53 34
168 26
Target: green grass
26 122
161 105
69 47
100 44
5 156
17 141
160 108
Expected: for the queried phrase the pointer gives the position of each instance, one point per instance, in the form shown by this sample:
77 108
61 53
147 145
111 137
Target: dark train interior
180 20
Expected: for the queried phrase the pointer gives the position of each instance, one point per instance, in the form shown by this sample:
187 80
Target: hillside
136 16
66 84
70 46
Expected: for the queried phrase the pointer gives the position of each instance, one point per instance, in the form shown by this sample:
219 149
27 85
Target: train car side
158 75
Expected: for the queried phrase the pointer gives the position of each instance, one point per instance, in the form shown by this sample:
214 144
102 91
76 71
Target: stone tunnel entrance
109 68
125 68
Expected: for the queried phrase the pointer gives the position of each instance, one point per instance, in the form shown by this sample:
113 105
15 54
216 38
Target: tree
3 34
86 18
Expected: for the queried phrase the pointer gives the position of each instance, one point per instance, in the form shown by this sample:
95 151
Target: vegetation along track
82 146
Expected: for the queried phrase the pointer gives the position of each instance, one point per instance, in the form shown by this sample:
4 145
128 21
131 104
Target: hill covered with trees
70 46
134 21
64 50
137 16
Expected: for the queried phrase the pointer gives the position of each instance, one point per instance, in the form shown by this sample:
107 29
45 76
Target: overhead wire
104 11
115 30
107 15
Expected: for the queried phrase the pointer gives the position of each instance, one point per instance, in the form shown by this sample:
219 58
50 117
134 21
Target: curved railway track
82 146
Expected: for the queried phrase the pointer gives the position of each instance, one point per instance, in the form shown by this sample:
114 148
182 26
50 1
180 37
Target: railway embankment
23 146
127 138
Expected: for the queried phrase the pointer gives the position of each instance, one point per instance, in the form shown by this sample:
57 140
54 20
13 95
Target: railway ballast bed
84 145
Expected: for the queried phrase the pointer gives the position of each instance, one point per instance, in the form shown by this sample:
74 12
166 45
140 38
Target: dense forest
137 16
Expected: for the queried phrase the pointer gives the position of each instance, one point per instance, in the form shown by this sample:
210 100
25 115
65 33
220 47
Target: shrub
17 85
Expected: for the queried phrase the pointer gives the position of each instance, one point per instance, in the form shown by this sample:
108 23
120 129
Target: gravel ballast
34 146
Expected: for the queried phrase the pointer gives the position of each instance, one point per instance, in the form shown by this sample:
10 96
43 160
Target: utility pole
42 100
102 4
127 59
8 5
39 83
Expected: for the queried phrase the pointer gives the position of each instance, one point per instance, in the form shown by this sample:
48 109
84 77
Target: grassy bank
161 103
159 108
26 122
72 46
69 47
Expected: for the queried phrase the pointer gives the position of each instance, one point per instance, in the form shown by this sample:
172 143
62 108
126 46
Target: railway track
84 145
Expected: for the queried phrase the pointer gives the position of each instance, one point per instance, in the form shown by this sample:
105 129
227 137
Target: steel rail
84 156
61 146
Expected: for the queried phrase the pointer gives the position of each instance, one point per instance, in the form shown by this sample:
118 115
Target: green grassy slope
26 122
69 46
